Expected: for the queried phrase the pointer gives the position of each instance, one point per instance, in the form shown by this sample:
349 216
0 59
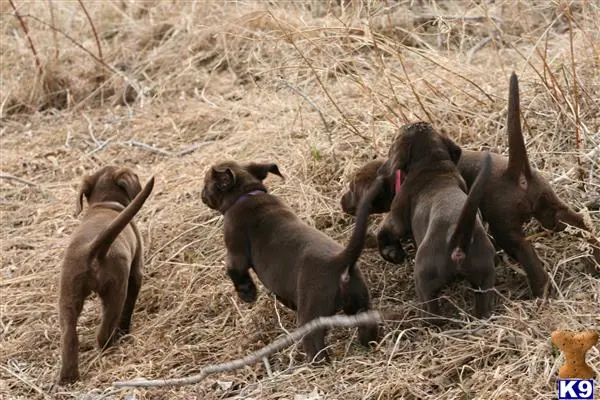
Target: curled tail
461 237
518 163
348 257
104 240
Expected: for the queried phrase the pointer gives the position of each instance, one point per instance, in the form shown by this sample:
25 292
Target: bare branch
342 321
24 27
93 30
10 177
145 146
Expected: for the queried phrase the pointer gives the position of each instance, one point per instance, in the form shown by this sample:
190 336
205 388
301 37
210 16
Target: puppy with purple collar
305 269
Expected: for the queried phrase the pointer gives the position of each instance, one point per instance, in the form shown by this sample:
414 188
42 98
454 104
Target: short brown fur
305 269
432 206
516 193
105 256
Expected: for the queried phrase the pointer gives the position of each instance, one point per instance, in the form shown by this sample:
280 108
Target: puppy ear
128 181
454 150
260 171
224 177
85 190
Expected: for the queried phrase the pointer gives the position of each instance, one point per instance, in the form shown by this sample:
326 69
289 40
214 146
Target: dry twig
10 177
335 321
38 63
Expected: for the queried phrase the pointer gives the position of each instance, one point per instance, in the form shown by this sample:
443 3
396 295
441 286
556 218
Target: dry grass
319 91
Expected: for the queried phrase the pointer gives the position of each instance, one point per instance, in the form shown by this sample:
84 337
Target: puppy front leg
388 240
239 273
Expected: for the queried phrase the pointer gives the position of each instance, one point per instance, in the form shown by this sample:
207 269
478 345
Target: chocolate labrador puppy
516 193
305 269
105 256
432 204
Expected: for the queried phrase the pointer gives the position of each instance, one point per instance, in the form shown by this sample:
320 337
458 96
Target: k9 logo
575 389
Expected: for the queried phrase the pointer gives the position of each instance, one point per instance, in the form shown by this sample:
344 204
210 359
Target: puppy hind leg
314 342
357 300
70 306
516 246
113 300
484 295
429 284
133 289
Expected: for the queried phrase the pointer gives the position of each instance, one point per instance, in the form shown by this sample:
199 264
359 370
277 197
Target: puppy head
418 142
225 182
110 183
359 185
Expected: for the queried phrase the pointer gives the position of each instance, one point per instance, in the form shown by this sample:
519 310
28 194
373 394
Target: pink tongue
398 180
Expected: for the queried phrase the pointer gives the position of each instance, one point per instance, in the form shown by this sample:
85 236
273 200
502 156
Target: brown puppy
303 267
105 256
516 193
359 185
432 204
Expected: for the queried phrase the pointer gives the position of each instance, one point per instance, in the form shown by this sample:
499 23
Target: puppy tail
349 256
461 237
104 240
518 163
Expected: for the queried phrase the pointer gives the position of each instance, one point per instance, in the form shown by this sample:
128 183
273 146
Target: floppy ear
401 159
128 181
454 150
224 177
260 171
85 190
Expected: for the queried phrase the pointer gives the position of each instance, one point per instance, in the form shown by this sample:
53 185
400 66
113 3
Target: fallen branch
145 146
344 321
161 152
4 175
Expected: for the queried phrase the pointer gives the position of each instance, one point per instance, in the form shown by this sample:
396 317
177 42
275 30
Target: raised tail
461 237
348 257
518 163
104 240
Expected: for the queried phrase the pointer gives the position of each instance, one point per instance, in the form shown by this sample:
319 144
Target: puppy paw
393 254
67 378
247 293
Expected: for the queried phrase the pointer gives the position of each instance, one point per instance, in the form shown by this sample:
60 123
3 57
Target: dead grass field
319 89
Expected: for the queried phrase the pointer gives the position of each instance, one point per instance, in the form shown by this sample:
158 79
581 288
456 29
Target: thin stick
342 321
93 30
54 34
75 42
26 382
145 146
291 40
309 101
24 27
4 175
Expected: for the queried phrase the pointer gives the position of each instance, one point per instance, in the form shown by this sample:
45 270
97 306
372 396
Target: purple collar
252 193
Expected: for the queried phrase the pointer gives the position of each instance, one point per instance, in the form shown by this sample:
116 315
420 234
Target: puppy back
100 245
